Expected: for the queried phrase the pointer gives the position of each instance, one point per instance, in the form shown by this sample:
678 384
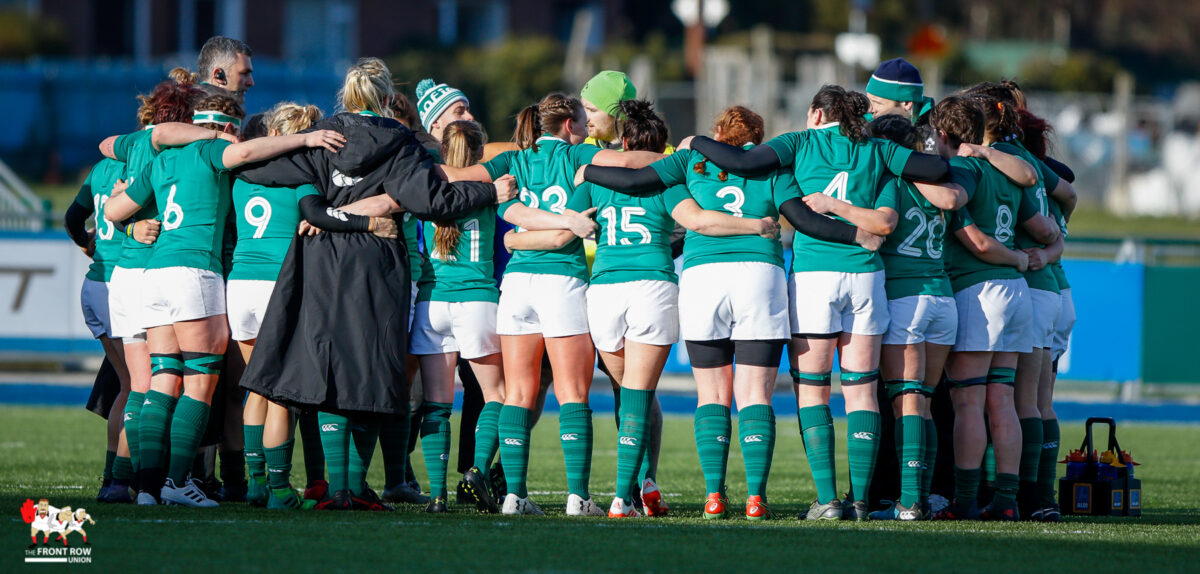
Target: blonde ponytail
287 118
368 88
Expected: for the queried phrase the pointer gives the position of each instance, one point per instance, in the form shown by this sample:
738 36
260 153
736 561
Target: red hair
1036 130
169 102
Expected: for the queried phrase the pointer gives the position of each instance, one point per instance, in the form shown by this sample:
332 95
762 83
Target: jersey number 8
1004 224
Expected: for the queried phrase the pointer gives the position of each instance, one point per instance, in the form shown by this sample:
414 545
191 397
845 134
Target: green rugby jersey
634 239
1042 279
1060 275
912 254
410 225
94 193
752 198
266 219
468 273
825 161
137 152
996 208
546 178
192 186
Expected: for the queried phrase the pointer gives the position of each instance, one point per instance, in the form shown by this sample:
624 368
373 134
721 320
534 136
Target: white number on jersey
937 230
472 227
104 228
627 225
261 220
837 186
906 246
557 197
1004 224
734 207
173 214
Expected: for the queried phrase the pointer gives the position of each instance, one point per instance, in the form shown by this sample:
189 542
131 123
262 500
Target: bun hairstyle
641 129
462 146
961 117
1001 117
287 118
546 116
220 103
170 101
895 128
739 126
845 107
182 76
368 88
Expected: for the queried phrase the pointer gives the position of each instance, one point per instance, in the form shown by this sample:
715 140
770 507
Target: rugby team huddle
343 255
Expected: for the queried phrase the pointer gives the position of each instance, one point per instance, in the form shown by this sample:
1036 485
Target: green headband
211 117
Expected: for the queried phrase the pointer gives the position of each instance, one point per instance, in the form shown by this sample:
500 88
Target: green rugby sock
1048 466
364 434
253 437
133 412
487 435
1006 488
310 439
862 446
989 463
122 469
109 457
816 428
278 463
713 427
756 427
435 444
911 463
187 428
1031 448
335 443
966 486
394 433
514 447
632 437
575 434
155 421
928 458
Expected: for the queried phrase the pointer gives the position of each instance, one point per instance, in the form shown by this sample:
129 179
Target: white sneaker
146 499
577 506
621 510
514 504
187 495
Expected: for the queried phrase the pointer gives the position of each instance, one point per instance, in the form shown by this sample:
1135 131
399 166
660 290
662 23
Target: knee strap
202 363
971 382
710 354
758 353
166 364
810 379
1002 376
854 378
896 388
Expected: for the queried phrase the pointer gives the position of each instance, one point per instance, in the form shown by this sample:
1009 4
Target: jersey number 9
261 220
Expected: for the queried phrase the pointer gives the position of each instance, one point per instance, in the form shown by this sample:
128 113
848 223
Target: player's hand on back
579 175
147 230
119 187
868 240
506 188
582 224
686 143
328 139
384 227
1022 261
769 228
821 203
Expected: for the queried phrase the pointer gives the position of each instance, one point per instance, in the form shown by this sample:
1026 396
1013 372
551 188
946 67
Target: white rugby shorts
828 302
922 318
995 315
739 300
177 294
467 328
532 303
639 311
246 301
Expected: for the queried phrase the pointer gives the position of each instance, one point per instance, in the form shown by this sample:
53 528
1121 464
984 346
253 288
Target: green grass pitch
57 453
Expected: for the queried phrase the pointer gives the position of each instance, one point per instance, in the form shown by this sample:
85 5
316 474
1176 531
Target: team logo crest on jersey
342 180
56 526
